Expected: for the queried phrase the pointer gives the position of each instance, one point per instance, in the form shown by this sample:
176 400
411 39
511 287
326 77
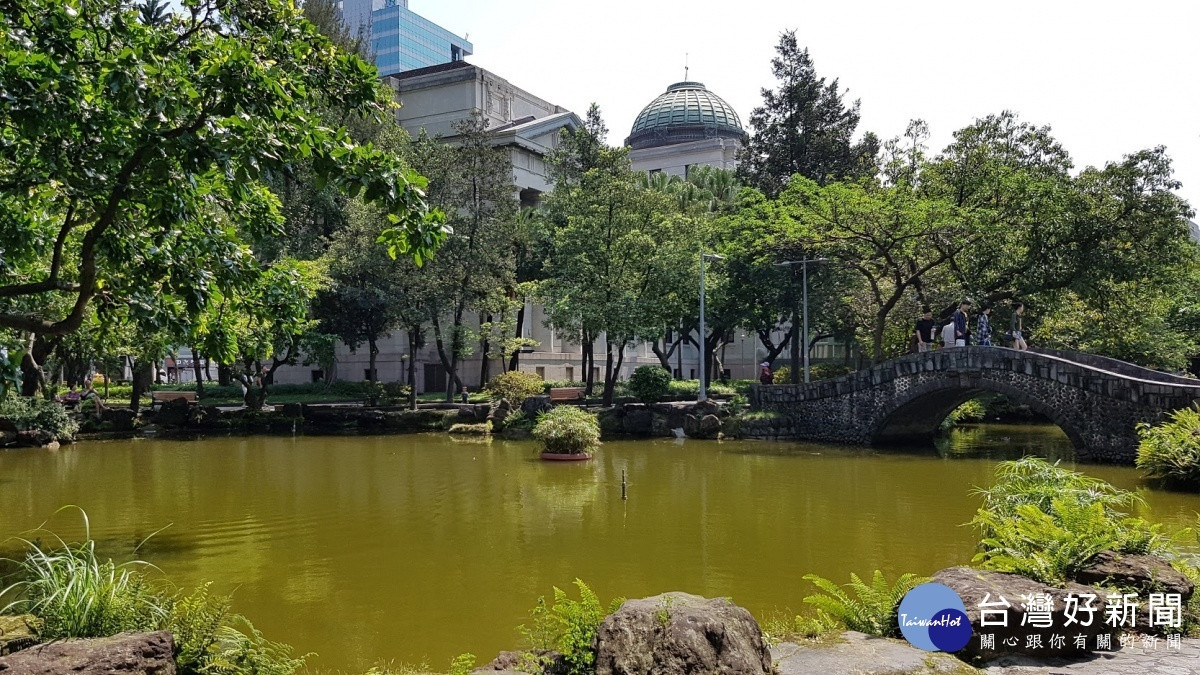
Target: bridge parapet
905 399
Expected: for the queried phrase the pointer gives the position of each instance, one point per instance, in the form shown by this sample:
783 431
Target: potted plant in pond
567 433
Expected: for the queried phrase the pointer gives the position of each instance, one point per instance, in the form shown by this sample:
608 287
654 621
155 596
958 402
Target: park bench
157 397
565 394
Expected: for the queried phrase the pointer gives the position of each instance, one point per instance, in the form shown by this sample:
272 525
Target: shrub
38 414
1171 451
873 611
567 429
515 386
969 412
568 626
784 375
1047 523
650 383
517 419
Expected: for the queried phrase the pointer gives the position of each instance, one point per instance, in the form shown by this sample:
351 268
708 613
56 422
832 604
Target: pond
416 548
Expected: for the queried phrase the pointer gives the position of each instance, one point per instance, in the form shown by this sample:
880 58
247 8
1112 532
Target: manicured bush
872 608
650 383
515 386
783 375
38 414
1170 451
567 430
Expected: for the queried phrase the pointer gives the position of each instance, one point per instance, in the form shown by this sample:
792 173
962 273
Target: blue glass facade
403 40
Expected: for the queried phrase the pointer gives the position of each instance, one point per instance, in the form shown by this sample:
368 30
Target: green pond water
417 548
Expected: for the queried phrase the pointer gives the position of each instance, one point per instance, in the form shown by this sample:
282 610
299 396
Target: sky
1109 78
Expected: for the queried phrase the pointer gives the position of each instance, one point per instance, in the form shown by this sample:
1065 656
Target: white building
686 126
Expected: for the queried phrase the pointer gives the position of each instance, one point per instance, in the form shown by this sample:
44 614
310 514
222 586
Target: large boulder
536 405
37 438
638 420
172 413
708 426
18 632
976 587
679 633
498 414
118 419
1142 573
124 654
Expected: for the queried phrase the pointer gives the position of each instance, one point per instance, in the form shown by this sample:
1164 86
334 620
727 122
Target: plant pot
566 457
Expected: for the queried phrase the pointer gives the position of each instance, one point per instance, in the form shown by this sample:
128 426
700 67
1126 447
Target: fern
568 626
872 609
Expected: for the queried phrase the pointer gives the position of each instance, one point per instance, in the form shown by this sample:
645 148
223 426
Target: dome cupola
685 112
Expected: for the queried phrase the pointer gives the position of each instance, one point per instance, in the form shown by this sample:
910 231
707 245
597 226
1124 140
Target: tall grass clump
78 594
1170 451
567 430
1046 522
872 607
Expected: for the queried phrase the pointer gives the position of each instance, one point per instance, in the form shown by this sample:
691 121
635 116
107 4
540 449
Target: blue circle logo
932 617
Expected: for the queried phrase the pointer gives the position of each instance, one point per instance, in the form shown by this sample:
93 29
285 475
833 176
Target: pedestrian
1017 328
765 376
464 393
924 331
960 321
983 328
948 335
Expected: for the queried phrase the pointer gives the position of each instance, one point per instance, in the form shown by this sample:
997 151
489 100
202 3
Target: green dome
686 112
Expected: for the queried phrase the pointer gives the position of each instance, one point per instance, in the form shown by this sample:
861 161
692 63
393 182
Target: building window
570 373
541 371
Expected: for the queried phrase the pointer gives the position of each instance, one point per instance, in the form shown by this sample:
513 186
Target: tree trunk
199 372
373 380
33 378
449 362
773 350
143 375
589 363
412 370
877 338
224 376
485 368
514 360
610 376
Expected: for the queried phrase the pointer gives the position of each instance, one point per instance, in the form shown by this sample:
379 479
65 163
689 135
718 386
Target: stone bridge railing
905 399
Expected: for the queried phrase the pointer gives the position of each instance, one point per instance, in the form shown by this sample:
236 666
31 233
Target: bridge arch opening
918 418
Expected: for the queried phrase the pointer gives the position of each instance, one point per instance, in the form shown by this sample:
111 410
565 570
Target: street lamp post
703 395
803 347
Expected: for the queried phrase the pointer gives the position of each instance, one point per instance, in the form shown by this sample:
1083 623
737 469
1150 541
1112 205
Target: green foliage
462 664
38 414
1047 522
78 594
872 609
1170 450
815 626
567 429
515 386
517 419
970 412
650 383
568 626
783 375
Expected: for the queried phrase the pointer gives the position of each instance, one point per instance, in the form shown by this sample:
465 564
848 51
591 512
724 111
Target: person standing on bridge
925 325
961 334
983 329
1018 327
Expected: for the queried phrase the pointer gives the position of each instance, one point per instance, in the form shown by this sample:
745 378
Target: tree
621 259
891 238
121 140
472 182
804 128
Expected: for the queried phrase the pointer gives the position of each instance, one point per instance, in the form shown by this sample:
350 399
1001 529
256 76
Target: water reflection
422 547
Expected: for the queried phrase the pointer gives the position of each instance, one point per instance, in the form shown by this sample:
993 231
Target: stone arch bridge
1097 401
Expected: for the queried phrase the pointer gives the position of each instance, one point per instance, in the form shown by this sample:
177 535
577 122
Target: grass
1170 451
79 594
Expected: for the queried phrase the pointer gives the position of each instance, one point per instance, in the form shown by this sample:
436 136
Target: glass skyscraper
400 38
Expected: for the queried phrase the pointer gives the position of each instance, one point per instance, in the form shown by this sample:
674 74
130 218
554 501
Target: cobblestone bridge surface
1097 401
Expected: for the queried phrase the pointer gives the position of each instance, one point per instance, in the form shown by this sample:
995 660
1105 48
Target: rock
119 419
536 405
37 438
172 413
680 633
18 632
498 414
667 418
1143 573
702 427
292 410
974 586
127 653
859 654
611 421
537 662
706 407
638 421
